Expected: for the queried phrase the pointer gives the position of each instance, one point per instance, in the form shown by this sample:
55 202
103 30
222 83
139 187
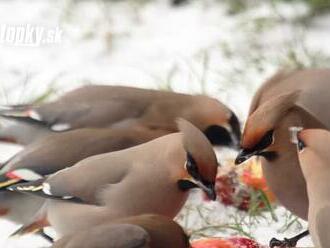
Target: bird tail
8 139
23 113
35 225
15 107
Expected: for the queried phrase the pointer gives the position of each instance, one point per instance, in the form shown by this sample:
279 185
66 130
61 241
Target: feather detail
16 176
26 116
42 189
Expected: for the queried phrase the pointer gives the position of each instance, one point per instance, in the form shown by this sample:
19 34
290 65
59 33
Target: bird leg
291 242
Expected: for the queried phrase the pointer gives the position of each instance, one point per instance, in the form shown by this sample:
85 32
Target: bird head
313 149
201 162
220 125
260 129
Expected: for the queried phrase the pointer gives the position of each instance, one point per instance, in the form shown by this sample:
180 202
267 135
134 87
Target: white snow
194 48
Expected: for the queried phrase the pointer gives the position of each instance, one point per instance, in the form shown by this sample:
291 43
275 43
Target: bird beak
244 155
209 190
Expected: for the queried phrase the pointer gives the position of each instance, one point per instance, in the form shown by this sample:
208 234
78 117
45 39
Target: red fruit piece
240 242
212 243
231 192
226 187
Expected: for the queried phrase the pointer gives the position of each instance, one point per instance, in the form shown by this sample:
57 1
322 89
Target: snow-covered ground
193 48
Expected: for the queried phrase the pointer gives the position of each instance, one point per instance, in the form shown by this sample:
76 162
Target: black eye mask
185 185
192 167
193 170
266 141
218 135
270 156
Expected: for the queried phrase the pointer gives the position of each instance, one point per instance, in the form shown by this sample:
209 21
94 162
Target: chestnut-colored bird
56 152
154 177
295 98
143 231
314 157
103 106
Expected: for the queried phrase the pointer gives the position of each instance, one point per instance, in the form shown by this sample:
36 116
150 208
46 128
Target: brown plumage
56 152
102 106
144 231
295 98
314 156
154 177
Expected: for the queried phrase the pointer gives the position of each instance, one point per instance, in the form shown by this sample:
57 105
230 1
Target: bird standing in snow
154 177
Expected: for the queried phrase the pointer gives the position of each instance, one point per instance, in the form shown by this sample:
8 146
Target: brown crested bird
143 231
292 98
296 98
154 177
56 152
314 156
103 106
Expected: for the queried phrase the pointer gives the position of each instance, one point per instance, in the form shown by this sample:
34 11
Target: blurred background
223 48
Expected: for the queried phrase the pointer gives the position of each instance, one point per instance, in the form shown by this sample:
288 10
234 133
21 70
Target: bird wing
17 176
53 116
40 188
79 183
61 151
62 116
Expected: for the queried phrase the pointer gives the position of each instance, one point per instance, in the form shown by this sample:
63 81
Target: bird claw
286 243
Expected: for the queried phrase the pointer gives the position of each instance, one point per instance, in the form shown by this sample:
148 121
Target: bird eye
266 141
301 145
191 166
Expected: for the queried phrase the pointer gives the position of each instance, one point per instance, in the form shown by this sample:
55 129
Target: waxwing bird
102 106
295 98
154 177
313 147
150 231
56 152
